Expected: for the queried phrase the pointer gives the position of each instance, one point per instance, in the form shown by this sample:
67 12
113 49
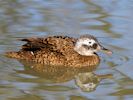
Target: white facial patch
83 51
88 42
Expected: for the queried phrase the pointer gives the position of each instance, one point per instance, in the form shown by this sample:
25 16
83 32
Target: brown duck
61 50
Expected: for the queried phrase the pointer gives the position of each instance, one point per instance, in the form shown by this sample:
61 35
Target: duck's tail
13 55
25 55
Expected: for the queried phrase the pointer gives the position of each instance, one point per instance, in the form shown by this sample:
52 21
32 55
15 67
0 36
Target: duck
60 50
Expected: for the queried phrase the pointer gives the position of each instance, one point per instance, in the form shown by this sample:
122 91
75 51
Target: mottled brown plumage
59 50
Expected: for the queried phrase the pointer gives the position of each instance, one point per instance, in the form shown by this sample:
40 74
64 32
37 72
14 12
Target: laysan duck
60 50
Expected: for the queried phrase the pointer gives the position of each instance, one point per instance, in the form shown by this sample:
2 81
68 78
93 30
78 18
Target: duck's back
46 50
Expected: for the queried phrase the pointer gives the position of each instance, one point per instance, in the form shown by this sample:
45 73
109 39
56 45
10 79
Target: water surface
111 21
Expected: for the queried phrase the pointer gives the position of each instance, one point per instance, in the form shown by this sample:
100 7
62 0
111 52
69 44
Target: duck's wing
53 43
33 44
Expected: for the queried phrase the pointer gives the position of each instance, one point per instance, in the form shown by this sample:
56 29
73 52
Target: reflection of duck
83 76
88 81
56 74
60 50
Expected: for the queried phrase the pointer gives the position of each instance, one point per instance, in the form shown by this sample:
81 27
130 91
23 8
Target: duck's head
88 45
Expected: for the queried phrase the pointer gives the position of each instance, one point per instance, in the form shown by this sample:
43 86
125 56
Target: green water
111 21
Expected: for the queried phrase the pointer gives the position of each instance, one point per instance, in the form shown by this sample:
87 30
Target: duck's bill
107 51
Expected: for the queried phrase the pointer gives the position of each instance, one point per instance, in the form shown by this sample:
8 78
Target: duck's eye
94 46
89 42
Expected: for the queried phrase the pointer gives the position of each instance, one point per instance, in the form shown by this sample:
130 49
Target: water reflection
88 81
84 77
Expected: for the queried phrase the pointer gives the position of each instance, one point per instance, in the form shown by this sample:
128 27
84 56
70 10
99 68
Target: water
109 20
